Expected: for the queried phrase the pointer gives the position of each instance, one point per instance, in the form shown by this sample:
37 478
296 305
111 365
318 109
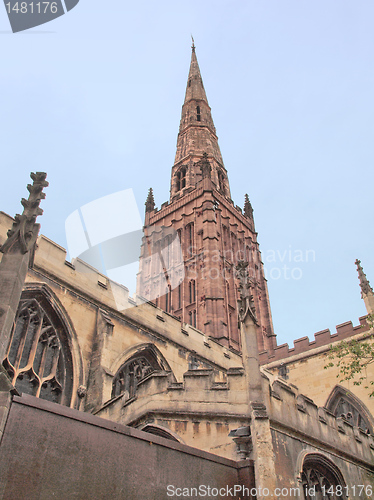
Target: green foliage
352 357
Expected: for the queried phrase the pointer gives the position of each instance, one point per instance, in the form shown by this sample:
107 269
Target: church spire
197 135
195 87
211 235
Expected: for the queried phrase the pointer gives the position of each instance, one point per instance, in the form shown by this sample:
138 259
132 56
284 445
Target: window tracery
131 373
38 360
319 483
342 403
321 480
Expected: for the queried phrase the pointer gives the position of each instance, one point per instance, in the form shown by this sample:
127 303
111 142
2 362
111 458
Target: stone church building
182 387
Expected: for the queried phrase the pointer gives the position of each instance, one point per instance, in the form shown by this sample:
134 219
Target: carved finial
245 302
248 210
193 44
205 167
150 201
364 282
22 236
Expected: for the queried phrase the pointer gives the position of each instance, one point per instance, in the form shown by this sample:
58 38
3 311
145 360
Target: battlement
324 338
201 396
200 392
291 410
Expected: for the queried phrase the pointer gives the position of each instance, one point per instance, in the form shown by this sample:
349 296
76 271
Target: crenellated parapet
202 399
199 393
324 338
296 415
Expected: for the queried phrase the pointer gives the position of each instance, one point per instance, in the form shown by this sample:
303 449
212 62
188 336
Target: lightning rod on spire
193 44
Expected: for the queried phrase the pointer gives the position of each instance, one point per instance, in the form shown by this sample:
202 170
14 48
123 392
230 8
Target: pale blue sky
94 99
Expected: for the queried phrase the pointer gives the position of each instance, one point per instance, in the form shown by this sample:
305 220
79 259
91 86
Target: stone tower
195 280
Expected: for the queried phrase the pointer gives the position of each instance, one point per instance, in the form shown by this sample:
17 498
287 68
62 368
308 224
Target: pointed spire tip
193 44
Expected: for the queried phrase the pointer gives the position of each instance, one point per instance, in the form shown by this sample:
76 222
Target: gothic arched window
342 403
39 360
190 240
133 371
198 114
321 479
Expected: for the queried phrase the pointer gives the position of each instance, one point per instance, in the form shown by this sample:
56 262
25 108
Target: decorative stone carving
366 289
283 371
248 210
346 410
245 303
243 440
22 236
81 391
150 201
206 169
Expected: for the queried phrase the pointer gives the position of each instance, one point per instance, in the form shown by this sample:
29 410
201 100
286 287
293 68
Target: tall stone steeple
197 135
196 280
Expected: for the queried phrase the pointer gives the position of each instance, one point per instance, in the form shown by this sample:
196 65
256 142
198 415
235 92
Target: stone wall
50 451
304 365
300 427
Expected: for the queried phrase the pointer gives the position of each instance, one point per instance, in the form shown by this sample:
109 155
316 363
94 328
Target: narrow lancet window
198 115
192 290
181 179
